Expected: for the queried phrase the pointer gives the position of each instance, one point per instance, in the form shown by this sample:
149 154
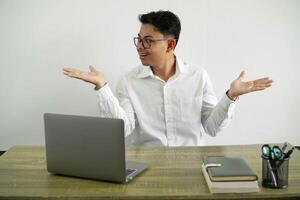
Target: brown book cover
229 186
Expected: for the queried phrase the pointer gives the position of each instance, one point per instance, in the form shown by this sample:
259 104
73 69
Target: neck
166 69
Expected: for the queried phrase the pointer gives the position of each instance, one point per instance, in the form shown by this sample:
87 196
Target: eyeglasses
146 42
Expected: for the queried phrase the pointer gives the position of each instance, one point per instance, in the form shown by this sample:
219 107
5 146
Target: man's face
156 54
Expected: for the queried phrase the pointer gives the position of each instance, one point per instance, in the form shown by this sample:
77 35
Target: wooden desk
175 173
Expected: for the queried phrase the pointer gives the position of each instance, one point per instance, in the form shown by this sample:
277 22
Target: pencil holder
275 173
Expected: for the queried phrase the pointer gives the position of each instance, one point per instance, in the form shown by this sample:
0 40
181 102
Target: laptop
88 147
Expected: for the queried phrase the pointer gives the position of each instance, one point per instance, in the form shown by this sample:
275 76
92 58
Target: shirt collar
145 71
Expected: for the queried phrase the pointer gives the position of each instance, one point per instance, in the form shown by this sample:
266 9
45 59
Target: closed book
222 168
229 186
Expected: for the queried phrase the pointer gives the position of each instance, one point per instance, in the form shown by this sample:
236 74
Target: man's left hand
239 87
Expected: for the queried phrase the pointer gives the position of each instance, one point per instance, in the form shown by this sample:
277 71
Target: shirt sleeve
215 116
120 108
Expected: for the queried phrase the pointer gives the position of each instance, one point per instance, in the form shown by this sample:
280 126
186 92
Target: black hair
165 21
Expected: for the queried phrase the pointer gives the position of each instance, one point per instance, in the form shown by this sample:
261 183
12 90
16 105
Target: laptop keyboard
130 171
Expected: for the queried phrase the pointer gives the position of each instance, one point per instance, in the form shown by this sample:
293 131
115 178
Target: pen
284 147
288 154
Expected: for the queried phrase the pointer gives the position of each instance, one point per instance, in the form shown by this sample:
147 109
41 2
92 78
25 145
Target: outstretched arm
109 105
217 115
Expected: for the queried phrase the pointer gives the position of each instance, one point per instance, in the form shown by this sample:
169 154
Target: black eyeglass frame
147 41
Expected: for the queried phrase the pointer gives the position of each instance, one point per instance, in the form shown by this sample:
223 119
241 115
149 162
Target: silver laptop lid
89 147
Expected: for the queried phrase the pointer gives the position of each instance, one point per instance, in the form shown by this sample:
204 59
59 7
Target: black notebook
221 168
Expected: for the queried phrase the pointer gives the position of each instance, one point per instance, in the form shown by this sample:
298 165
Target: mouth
143 55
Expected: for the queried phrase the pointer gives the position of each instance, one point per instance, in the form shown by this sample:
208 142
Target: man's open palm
239 87
93 76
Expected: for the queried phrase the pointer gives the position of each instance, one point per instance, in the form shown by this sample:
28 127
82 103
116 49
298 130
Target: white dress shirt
173 113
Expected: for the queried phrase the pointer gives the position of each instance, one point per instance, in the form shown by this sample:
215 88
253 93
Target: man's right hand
95 77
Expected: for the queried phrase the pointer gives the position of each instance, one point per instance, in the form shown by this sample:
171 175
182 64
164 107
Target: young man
166 102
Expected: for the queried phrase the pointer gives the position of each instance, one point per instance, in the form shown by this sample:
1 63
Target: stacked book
229 175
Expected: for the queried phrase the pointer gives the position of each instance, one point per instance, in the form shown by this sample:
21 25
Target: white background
38 38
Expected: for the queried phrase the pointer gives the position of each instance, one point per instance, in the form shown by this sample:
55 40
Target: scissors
271 152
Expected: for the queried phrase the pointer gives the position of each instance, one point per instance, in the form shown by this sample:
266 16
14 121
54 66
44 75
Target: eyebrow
146 36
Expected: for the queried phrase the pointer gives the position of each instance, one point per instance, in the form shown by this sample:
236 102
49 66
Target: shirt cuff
104 93
227 104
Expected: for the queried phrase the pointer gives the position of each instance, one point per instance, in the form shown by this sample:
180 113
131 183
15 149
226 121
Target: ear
171 45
